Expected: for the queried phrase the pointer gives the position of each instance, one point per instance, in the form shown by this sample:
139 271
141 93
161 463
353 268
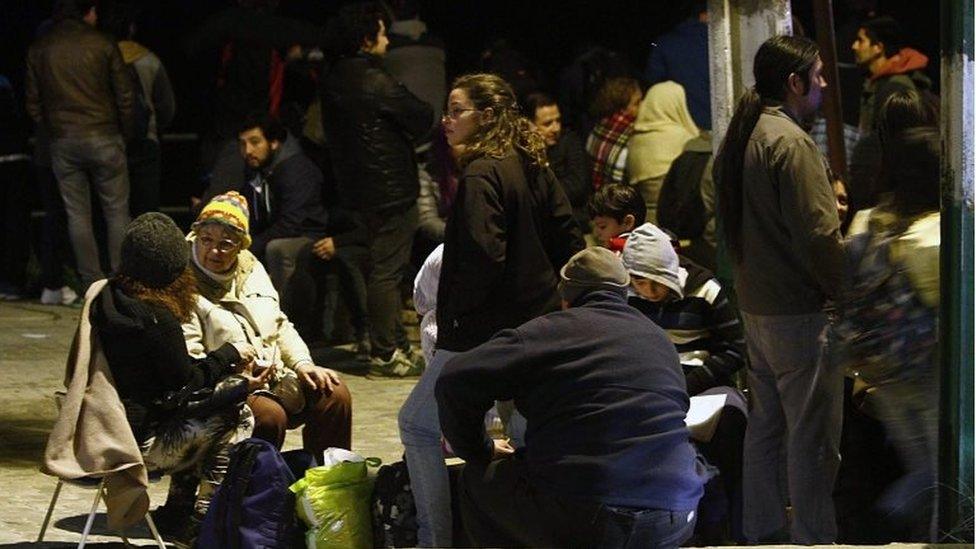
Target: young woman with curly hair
510 231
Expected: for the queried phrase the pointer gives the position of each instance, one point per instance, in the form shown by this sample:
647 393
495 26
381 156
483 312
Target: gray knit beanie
649 254
590 270
154 250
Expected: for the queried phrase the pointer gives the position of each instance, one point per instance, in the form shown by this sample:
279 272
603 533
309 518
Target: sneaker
363 349
62 296
9 292
398 365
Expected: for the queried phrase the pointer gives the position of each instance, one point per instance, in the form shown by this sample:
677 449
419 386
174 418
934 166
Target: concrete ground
34 342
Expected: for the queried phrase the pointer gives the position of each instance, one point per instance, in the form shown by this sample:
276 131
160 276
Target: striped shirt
704 328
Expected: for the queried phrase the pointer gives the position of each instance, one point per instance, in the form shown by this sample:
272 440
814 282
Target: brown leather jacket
77 83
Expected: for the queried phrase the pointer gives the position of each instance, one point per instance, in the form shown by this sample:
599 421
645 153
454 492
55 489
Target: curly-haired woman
511 229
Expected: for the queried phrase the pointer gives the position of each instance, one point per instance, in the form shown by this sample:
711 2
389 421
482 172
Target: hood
132 51
649 254
411 28
664 108
288 149
905 61
117 314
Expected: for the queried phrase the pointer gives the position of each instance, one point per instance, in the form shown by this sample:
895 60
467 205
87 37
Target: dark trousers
501 508
145 163
15 213
54 252
344 274
390 239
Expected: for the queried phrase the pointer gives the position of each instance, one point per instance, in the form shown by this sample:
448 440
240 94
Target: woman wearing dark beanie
137 317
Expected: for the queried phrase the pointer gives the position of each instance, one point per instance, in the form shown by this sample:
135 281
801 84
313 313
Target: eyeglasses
222 246
454 114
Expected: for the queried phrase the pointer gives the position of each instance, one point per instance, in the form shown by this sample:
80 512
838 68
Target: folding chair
89 483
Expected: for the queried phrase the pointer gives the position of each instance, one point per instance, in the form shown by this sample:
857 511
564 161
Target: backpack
889 332
680 208
394 511
253 507
142 110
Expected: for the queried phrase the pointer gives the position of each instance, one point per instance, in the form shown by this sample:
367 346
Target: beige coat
91 437
247 309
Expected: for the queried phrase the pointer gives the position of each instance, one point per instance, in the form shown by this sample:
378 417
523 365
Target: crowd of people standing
584 273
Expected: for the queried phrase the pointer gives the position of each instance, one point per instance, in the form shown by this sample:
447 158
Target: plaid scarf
607 145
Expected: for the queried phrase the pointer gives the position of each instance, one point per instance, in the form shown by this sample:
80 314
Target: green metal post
956 318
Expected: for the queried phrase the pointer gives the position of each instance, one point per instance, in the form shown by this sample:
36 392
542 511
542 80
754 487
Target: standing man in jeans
79 90
372 123
781 228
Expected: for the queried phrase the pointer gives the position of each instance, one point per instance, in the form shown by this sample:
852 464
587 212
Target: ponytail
776 60
731 160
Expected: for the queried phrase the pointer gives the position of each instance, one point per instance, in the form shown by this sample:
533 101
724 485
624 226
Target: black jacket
372 123
77 83
604 397
572 166
146 353
290 201
511 231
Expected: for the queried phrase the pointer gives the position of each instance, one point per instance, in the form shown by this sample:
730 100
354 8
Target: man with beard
284 190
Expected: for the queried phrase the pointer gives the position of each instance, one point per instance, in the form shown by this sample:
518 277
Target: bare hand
502 448
247 353
317 378
324 248
258 381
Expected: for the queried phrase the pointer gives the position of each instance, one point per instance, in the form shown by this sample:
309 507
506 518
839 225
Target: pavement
34 343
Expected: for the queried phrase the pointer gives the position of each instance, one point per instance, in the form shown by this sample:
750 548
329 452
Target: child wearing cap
687 301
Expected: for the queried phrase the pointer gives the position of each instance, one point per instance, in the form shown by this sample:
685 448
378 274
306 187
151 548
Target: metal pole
824 21
956 264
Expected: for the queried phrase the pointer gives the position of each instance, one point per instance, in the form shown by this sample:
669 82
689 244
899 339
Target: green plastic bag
334 502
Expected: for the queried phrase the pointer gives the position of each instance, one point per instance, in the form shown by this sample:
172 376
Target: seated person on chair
238 303
137 316
607 460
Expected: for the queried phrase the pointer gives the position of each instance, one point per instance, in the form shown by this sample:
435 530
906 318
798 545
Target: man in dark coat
607 460
372 123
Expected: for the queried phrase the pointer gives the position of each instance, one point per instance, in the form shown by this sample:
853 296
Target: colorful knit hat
228 209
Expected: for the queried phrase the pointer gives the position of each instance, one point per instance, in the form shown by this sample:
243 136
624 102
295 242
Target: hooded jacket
902 71
285 198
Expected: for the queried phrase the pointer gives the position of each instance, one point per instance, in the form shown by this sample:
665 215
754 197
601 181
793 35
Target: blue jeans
502 508
794 426
420 432
81 164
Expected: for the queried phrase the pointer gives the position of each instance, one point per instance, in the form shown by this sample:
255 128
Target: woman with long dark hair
779 221
510 230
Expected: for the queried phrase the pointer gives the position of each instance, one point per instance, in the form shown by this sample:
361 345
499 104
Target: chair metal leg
91 514
50 510
155 532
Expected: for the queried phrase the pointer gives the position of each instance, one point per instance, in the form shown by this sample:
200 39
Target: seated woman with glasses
238 303
137 315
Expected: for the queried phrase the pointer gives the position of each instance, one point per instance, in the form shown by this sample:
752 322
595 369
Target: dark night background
550 33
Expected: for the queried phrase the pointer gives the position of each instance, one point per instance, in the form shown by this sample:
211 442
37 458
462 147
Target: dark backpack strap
239 472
